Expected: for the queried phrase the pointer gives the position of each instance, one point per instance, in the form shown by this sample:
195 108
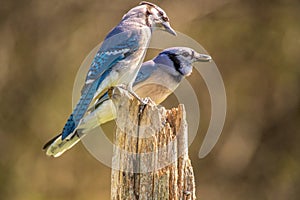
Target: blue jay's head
179 60
150 15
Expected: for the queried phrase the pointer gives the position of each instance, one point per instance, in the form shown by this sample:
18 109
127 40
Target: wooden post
150 156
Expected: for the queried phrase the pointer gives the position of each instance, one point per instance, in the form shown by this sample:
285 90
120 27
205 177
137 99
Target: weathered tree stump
150 156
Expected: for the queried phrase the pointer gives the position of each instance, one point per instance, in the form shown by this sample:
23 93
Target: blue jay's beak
202 57
168 28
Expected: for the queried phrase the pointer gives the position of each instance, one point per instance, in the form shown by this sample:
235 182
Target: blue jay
119 58
156 79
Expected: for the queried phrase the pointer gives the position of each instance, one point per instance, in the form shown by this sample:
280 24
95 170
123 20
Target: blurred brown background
255 43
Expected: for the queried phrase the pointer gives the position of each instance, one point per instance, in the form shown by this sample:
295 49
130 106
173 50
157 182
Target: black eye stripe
175 61
147 17
165 18
162 15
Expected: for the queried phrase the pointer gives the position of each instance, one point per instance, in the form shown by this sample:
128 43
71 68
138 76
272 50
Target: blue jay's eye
166 19
185 54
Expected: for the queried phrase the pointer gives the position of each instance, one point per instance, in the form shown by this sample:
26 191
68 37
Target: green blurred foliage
256 45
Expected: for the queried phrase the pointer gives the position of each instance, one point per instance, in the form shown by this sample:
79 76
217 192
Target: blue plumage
113 50
156 79
118 59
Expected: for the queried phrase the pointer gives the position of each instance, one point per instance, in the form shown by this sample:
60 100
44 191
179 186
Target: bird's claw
123 86
144 101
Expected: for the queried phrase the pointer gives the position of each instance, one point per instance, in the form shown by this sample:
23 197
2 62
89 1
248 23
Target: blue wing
144 73
114 49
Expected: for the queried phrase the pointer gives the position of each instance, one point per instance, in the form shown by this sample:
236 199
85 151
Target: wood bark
150 156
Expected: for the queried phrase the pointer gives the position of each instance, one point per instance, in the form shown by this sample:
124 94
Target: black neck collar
176 62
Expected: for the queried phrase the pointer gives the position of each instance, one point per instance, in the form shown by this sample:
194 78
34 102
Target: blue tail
69 127
79 110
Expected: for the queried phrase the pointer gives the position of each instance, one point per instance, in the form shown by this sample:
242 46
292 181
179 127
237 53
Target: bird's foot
123 86
143 102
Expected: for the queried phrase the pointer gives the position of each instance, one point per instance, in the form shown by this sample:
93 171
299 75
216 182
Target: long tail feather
56 146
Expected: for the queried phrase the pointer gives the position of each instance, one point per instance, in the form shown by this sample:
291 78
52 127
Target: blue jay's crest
150 15
152 8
